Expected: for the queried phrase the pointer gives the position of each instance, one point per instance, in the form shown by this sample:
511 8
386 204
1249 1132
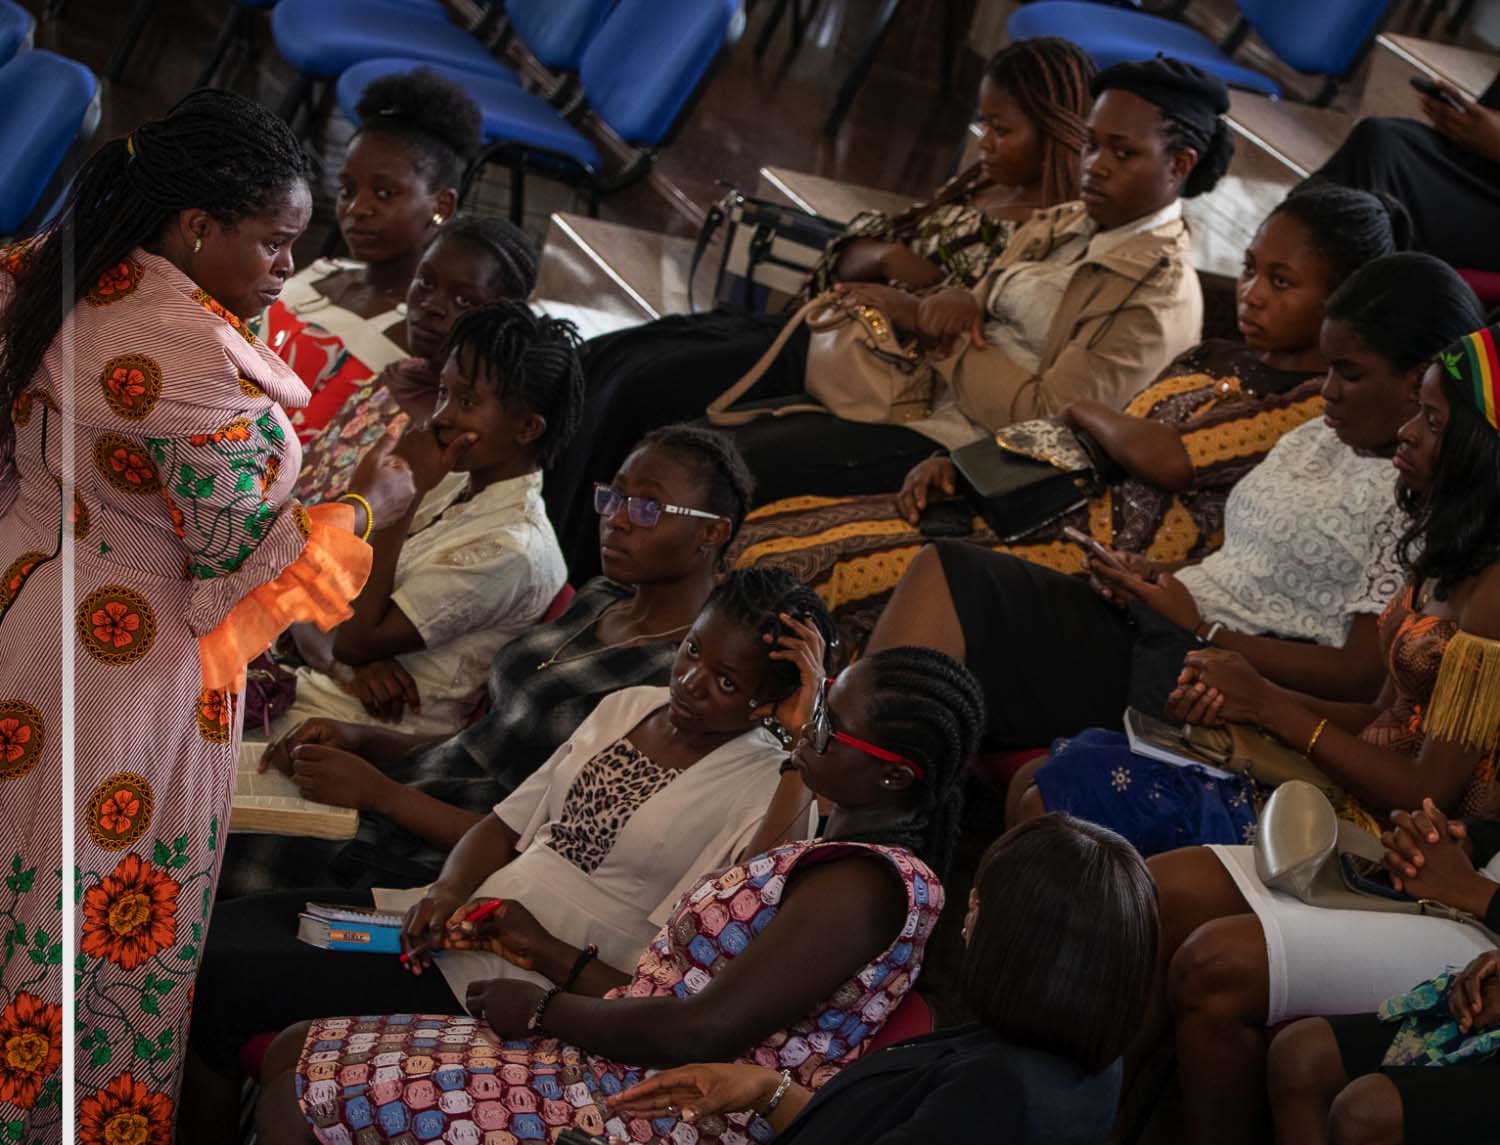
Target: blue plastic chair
556 32
48 104
1325 38
17 30
322 39
637 75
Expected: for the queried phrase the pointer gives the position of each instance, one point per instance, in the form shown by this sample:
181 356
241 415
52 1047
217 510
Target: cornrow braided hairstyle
435 118
756 598
1050 80
513 251
929 707
530 360
1348 227
214 151
722 470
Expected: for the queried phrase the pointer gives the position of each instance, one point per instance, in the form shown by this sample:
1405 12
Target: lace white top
1309 542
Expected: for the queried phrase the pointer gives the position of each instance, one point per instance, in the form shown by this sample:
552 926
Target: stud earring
197 246
437 219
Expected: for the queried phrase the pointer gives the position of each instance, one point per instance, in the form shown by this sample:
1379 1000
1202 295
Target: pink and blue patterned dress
417 1078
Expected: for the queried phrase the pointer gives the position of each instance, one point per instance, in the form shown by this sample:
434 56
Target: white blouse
699 820
1310 539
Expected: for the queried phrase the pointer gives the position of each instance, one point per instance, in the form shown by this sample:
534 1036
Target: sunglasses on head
644 512
823 732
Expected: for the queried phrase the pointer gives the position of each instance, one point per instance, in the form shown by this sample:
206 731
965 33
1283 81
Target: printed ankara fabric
404 1079
184 546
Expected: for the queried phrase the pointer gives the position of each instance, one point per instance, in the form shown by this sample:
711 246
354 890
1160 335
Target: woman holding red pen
792 959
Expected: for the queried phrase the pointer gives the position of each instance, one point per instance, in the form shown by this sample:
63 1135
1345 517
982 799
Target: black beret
1187 92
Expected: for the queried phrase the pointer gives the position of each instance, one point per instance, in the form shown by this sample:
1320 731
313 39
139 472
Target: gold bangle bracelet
1317 735
369 514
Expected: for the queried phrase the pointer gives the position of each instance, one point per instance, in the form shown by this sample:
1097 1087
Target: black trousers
817 453
1440 1105
257 976
1452 195
1052 656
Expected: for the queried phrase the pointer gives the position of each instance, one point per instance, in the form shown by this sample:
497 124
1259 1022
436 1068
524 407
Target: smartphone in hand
1434 90
1097 551
946 519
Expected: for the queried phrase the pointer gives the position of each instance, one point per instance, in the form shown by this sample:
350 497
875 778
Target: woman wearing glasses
417 795
793 958
589 854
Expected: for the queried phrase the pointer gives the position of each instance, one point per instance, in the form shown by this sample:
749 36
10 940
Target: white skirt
1344 961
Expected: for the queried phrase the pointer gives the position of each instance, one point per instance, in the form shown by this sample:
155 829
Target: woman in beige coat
1090 299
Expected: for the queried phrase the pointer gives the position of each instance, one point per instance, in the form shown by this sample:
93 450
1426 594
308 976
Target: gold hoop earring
197 246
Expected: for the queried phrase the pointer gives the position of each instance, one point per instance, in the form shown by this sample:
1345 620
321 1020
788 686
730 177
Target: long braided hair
926 705
214 151
530 360
756 598
1049 78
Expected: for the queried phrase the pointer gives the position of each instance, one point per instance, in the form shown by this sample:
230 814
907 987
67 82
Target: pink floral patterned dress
418 1078
187 555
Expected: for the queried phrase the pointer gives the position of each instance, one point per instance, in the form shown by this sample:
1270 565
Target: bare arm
378 628
1353 672
488 845
870 260
1148 450
849 911
441 824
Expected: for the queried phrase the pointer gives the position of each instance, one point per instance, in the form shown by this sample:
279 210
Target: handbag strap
719 411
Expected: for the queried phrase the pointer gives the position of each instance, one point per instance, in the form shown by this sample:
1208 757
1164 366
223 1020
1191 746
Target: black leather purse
1031 473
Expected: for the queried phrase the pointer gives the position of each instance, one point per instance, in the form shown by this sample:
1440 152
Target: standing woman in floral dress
187 558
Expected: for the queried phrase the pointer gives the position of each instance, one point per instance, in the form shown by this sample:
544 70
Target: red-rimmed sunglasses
823 731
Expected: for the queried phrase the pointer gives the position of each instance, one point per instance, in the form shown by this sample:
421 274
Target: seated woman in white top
655 787
481 563
1308 562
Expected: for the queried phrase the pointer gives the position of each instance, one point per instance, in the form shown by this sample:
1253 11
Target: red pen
478 914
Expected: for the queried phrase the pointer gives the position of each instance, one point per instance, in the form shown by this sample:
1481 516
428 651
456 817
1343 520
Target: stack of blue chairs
641 66
1323 38
49 107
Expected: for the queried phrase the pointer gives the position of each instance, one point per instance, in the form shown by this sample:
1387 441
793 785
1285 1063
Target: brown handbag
857 369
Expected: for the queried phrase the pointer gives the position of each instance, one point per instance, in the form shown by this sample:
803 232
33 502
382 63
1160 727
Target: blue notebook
338 934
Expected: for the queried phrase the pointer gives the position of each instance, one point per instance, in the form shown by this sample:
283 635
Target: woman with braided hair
1033 102
150 546
792 959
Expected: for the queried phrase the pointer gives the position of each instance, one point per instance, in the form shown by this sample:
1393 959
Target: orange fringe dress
188 556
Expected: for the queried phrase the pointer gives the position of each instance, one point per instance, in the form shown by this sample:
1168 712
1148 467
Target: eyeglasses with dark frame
644 512
823 731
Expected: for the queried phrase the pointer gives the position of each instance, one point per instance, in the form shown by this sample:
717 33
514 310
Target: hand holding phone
1434 90
1095 550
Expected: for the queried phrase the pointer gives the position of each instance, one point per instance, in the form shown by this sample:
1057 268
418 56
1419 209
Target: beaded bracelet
534 1023
585 956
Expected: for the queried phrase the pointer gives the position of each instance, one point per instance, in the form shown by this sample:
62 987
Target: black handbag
770 249
1029 474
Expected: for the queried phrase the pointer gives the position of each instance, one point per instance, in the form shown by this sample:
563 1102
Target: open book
269 803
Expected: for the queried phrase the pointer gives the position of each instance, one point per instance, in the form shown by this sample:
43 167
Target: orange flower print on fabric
30 1047
175 514
132 383
125 464
131 916
120 810
80 518
22 735
125 1112
116 625
15 258
215 709
273 471
15 575
250 389
206 300
116 283
237 430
